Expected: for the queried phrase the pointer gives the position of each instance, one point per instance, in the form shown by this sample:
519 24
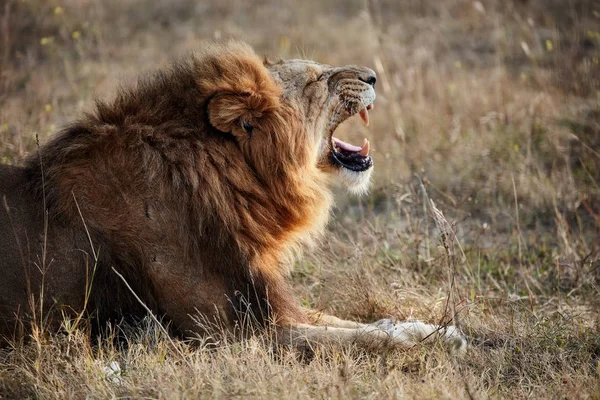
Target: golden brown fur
196 185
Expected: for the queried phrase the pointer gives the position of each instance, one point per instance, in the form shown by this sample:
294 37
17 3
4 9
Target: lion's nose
369 78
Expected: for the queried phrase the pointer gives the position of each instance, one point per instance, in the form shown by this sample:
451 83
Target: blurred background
489 108
481 99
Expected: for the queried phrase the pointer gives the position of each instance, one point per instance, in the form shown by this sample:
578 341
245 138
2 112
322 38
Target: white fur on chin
357 182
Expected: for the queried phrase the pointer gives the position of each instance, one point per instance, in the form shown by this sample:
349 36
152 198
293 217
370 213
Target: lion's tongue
363 150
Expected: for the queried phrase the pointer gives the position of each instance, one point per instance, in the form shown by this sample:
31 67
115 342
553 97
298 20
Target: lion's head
294 106
330 95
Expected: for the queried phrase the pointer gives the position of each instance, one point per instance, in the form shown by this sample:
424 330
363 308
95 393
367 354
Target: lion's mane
168 185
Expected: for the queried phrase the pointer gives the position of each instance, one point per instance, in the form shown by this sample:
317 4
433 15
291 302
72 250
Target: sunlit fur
168 185
356 182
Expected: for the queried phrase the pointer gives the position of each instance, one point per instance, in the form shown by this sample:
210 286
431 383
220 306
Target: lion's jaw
329 96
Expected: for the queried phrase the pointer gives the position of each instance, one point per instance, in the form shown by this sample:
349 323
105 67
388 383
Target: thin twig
88 281
425 203
448 236
45 213
519 239
162 328
87 232
447 233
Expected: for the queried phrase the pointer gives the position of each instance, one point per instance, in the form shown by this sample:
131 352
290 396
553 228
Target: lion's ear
240 88
230 112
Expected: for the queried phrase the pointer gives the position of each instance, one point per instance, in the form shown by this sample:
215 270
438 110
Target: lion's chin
356 182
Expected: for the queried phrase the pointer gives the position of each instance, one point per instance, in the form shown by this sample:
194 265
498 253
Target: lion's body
168 203
21 243
196 186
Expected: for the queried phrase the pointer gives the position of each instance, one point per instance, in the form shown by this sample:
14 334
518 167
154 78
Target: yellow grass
491 109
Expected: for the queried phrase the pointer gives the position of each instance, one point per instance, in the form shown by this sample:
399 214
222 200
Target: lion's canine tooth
364 115
364 150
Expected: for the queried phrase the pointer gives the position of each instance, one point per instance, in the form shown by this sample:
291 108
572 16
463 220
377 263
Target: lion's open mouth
349 156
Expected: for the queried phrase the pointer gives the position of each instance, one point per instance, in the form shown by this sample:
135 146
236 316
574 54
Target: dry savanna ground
490 109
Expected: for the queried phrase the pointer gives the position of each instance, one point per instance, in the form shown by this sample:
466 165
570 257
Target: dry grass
490 109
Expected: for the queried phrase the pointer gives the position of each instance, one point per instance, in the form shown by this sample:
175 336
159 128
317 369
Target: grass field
490 109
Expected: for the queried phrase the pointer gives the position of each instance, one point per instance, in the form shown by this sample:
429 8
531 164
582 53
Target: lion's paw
413 332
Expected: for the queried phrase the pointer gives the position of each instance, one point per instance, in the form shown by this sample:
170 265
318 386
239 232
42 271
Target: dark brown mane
151 167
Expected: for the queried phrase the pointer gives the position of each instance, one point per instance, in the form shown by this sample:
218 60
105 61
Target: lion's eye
248 128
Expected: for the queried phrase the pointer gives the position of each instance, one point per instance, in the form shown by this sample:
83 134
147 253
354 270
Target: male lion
195 186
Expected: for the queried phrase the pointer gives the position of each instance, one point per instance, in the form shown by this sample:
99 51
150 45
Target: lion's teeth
364 115
364 150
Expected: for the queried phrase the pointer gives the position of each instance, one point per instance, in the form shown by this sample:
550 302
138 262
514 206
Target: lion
187 195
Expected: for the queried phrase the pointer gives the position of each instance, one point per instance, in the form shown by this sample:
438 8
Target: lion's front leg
321 319
387 333
415 332
309 336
